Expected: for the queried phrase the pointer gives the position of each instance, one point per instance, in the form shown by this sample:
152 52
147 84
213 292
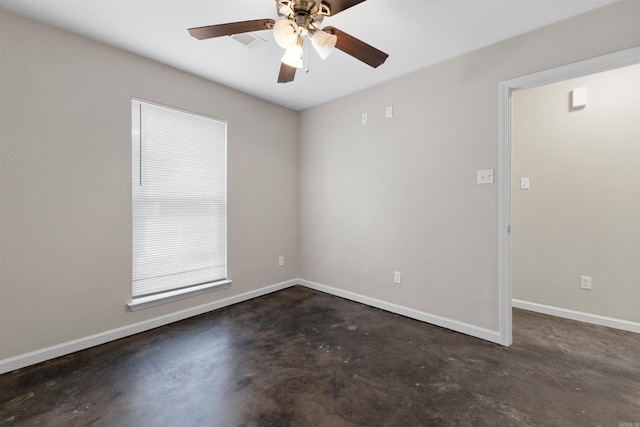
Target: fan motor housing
295 8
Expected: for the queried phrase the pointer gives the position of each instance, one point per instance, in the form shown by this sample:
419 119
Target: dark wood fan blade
211 31
357 48
337 6
287 73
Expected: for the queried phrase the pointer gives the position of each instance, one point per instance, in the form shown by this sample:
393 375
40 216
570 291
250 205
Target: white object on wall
578 98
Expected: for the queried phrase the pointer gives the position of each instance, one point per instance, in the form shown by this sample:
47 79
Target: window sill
140 303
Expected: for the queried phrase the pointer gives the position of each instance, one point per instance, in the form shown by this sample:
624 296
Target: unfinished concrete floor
304 358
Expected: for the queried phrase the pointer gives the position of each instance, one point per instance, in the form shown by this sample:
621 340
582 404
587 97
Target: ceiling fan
297 19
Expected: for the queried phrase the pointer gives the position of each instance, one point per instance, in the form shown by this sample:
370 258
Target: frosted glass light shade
285 33
293 56
324 43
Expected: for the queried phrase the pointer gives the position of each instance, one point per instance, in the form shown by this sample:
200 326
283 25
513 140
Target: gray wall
65 191
581 216
401 193
397 194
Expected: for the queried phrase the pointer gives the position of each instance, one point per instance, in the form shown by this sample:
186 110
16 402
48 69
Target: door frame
579 69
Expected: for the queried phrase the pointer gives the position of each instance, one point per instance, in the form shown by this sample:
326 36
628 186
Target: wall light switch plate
365 118
485 176
524 183
397 277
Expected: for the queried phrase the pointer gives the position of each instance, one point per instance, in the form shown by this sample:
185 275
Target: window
179 203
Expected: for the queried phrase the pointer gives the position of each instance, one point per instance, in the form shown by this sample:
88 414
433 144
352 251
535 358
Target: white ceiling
415 33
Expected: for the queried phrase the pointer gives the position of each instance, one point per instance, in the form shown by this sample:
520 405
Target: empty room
336 213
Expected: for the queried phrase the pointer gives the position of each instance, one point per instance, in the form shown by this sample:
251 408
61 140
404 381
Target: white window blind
179 199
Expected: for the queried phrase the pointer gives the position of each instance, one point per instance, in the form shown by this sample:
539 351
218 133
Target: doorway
507 89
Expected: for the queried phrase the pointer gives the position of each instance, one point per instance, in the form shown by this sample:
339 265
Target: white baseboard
454 325
578 315
31 358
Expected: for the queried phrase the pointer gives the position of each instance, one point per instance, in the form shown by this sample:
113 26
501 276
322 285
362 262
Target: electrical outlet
585 282
281 261
397 277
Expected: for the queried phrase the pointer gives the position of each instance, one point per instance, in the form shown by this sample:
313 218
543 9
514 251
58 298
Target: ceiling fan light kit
293 56
323 43
285 33
300 18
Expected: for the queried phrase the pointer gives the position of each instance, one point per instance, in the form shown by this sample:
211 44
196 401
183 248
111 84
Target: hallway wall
581 216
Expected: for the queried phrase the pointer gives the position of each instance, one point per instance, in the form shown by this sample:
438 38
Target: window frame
179 292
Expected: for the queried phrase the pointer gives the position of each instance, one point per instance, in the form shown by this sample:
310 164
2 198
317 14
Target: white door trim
578 69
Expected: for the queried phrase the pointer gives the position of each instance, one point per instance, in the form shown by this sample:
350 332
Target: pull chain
306 56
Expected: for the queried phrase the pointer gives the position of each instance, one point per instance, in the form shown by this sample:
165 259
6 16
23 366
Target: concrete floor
304 358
